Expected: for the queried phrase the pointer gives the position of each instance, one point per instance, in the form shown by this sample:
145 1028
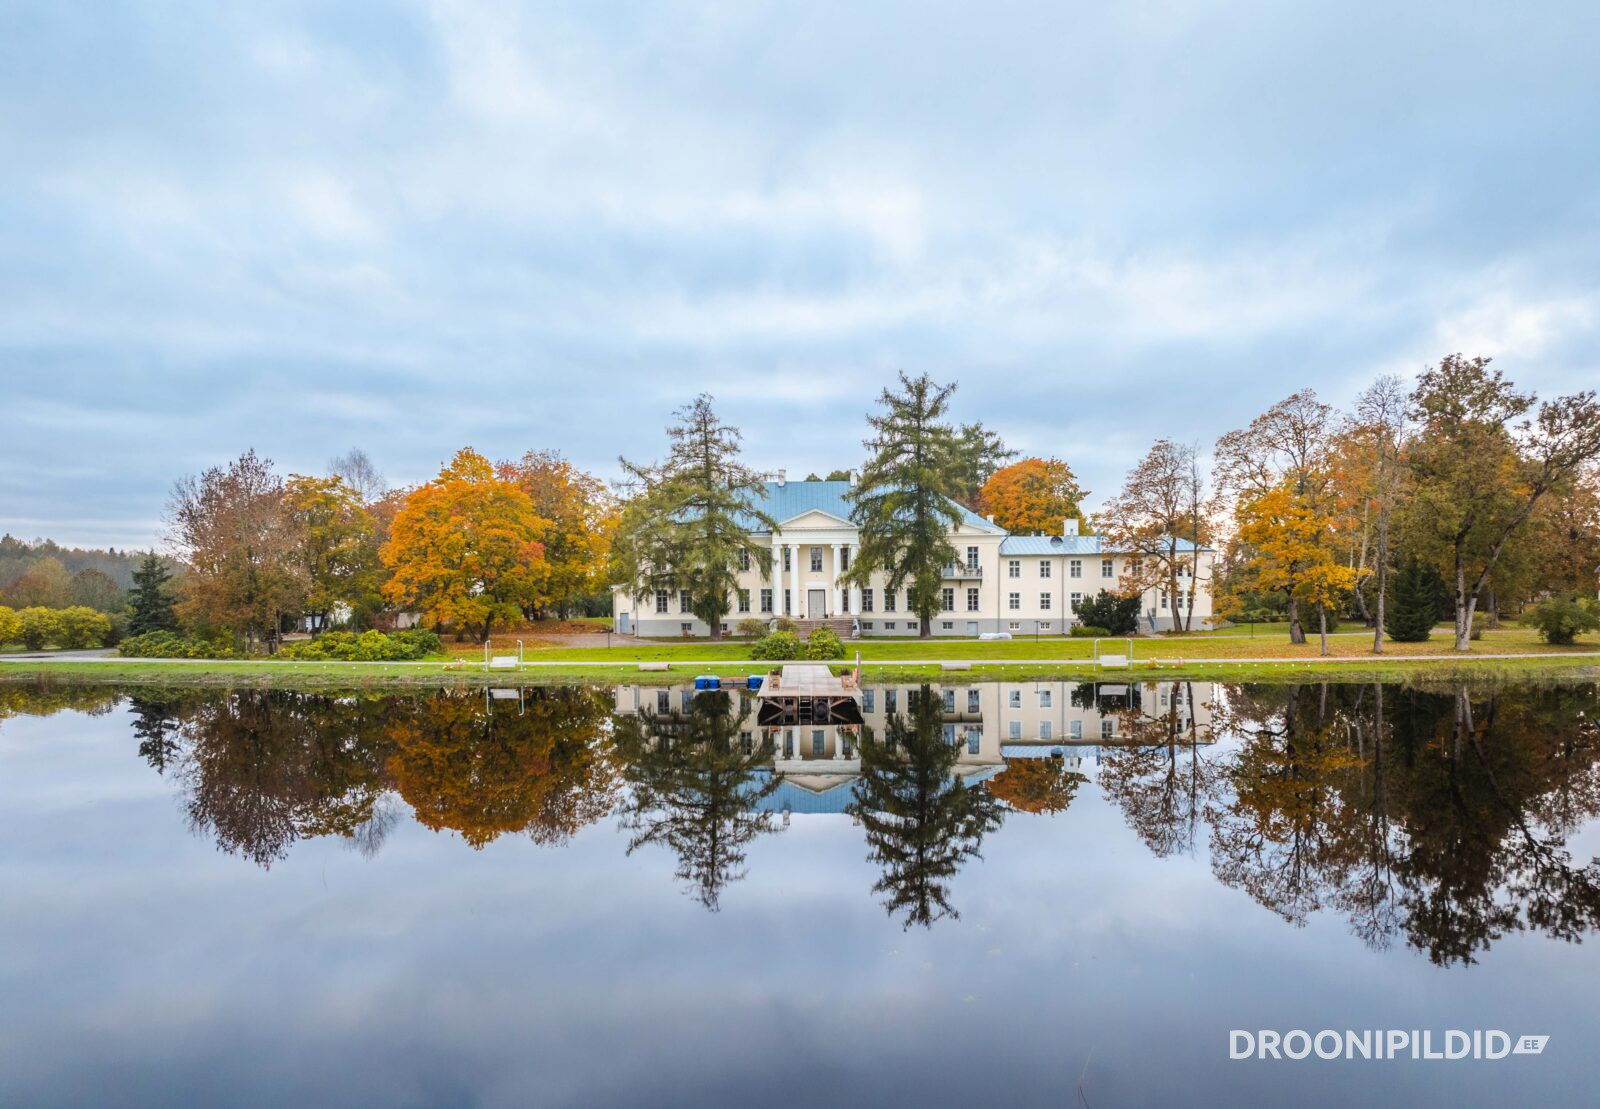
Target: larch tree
466 548
582 514
1034 495
241 547
905 502
690 517
1480 466
1161 518
337 538
1287 444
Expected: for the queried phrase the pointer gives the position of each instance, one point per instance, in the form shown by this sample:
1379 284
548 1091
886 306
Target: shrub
165 644
1107 610
784 624
824 644
776 646
750 628
38 626
81 626
369 646
10 626
1560 620
1411 608
1088 631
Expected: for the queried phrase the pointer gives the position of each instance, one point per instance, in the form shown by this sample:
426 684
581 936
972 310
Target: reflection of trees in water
921 821
1439 817
260 769
539 765
695 790
1156 774
1042 786
46 697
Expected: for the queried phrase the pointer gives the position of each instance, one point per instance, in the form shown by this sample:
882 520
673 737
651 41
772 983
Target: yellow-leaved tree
465 549
1294 545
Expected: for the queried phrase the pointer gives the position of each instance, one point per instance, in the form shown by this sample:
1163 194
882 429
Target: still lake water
1020 893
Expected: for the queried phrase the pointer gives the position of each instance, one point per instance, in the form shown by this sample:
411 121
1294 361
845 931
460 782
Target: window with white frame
663 701
661 600
788 601
683 600
816 560
844 600
947 625
891 700
1108 729
786 561
948 701
947 600
974 740
744 600
869 698
1044 698
1014 699
844 559
972 600
866 600
974 700
1044 625
1075 568
1044 729
744 558
1014 625
888 600
950 734
1014 568
1077 599
1044 567
1106 568
1075 729
1044 602
818 742
1014 601
686 628
888 625
972 558
1163 600
1016 729
766 600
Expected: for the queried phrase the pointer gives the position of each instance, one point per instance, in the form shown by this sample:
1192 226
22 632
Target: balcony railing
963 570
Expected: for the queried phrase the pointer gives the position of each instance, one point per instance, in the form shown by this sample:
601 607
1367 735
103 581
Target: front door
816 603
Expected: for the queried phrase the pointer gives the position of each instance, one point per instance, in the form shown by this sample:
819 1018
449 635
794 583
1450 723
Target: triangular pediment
815 518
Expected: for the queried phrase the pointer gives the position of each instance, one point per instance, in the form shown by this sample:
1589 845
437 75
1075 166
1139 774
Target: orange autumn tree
465 548
1294 546
1036 785
582 514
1036 494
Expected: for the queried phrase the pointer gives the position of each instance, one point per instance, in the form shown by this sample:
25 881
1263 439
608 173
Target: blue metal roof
796 498
1062 545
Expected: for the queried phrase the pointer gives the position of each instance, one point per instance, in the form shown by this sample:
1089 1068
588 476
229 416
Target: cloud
290 226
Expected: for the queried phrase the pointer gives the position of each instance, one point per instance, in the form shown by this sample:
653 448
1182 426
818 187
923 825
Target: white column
838 596
777 578
798 602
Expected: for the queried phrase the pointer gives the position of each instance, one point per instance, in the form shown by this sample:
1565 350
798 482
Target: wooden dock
808 693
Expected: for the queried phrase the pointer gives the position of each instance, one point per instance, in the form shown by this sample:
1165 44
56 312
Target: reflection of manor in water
988 723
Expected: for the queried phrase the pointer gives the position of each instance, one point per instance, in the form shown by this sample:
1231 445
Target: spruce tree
1413 603
150 601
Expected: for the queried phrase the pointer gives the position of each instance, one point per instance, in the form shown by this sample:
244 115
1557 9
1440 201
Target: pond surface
1020 893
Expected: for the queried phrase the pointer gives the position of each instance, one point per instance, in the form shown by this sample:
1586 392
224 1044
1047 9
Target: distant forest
17 558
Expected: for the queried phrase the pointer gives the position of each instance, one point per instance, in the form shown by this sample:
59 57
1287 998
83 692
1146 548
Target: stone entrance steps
840 624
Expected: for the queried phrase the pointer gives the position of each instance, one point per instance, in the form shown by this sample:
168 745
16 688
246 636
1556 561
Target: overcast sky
302 227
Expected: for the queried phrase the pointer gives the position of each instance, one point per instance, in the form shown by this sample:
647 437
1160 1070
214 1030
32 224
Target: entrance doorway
816 604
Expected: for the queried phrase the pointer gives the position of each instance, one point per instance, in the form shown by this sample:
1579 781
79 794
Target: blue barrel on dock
753 682
707 681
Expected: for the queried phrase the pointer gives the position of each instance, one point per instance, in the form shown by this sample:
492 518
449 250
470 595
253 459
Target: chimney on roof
1069 526
783 478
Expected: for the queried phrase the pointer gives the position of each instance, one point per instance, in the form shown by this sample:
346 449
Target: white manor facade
1024 585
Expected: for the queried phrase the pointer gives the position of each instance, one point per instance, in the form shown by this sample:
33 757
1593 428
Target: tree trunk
488 622
1383 578
1322 627
924 626
1297 632
1466 605
715 627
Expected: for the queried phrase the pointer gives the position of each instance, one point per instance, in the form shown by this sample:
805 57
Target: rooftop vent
783 478
1069 526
